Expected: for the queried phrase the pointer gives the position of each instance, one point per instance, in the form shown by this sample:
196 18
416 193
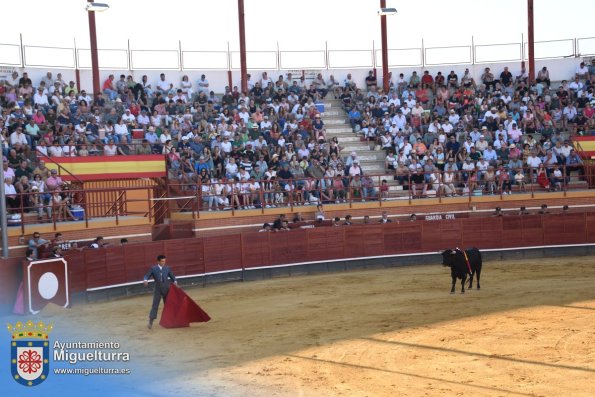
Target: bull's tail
467 261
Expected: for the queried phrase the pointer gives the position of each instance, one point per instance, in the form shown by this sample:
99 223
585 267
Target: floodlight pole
531 41
385 82
243 67
94 56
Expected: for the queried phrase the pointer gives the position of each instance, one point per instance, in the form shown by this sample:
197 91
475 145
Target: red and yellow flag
110 167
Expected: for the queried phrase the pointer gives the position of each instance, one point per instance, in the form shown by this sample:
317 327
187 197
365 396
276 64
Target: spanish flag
94 168
585 145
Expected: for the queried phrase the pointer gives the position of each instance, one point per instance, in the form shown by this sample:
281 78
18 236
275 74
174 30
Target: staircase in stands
372 161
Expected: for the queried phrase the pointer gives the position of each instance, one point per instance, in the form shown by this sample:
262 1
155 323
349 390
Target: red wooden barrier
94 268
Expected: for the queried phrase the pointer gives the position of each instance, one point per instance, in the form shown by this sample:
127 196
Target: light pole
243 66
383 13
92 8
531 41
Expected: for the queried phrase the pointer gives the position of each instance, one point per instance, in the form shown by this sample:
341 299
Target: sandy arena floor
395 332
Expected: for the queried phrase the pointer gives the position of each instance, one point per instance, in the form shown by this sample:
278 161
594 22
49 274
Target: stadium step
337 125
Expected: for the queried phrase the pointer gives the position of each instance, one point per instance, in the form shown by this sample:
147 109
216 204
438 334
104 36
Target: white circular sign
48 285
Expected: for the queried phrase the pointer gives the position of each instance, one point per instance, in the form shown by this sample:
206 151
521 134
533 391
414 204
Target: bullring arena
302 197
382 332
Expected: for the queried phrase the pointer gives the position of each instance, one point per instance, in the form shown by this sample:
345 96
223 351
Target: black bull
460 266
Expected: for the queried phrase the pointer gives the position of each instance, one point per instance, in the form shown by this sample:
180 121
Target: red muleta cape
180 310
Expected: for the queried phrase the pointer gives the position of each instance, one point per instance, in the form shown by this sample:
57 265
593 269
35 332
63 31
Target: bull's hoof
462 292
478 287
452 292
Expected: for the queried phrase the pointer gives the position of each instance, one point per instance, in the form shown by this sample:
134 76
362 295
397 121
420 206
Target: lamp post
92 8
383 13
531 41
243 67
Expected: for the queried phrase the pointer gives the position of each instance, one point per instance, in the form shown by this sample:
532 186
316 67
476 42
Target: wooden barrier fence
95 268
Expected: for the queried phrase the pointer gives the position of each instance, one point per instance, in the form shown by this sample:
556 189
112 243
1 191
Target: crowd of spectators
456 134
272 138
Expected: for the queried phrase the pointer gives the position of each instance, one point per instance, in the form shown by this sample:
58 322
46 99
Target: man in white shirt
481 144
41 99
493 113
231 169
410 101
447 127
453 117
143 119
226 145
400 120
569 113
18 136
582 71
475 134
576 86
127 117
203 84
85 97
394 100
163 86
349 83
533 161
501 132
490 155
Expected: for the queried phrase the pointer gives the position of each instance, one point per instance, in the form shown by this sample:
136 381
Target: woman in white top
156 119
120 129
186 87
55 150
69 149
110 149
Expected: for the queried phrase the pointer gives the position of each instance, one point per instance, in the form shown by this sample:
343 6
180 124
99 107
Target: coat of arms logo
29 352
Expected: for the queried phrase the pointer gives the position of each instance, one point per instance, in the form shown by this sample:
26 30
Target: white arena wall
560 69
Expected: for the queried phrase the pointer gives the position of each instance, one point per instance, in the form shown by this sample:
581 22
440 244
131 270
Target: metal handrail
60 167
294 195
574 53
